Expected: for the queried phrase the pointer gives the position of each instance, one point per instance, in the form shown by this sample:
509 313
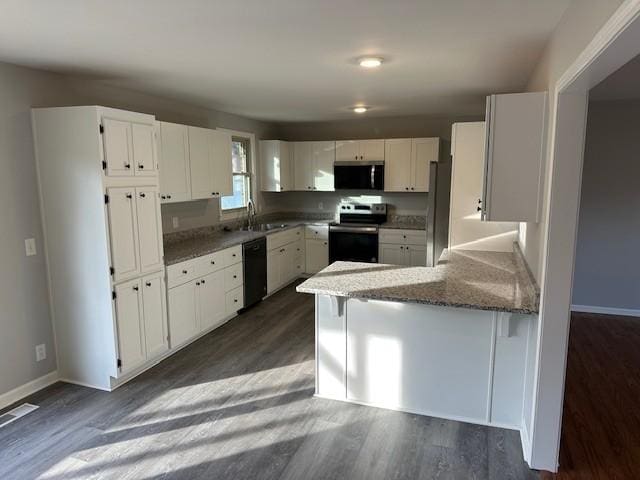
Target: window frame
239 212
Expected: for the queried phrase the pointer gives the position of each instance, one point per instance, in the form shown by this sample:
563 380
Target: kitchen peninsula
453 341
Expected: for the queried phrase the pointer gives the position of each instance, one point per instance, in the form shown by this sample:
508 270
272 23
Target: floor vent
16 413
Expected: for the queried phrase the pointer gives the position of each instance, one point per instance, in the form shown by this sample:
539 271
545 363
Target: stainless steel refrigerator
438 208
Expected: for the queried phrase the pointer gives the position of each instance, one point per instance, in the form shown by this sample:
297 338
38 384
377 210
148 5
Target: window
240 161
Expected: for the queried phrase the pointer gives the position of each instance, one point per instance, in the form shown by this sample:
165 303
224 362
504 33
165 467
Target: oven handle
366 230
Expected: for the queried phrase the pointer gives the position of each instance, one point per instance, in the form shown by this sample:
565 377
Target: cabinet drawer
210 263
403 237
317 232
234 300
232 277
231 256
182 272
278 239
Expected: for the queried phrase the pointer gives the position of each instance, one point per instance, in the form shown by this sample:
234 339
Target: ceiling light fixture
370 62
360 109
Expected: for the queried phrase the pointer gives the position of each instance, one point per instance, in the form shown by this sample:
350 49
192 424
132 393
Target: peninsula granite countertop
199 245
497 281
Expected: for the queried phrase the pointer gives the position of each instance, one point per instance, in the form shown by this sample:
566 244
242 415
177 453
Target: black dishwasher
254 256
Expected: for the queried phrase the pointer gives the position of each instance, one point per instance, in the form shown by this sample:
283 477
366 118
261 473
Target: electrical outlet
175 222
320 206
30 246
41 352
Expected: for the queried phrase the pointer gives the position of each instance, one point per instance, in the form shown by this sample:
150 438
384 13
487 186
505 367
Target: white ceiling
623 84
289 60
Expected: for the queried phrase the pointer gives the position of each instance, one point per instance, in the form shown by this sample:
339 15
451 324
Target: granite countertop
199 245
497 281
404 225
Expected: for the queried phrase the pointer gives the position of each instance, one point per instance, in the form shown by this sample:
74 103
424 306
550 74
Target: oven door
358 176
353 244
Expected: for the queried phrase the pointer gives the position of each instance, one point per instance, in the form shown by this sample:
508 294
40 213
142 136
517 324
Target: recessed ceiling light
360 109
370 62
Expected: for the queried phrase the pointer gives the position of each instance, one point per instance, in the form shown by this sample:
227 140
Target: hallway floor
238 404
601 419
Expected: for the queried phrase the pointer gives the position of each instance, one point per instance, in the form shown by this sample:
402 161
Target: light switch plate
30 246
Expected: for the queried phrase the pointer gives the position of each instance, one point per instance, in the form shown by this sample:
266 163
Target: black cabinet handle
479 209
168 196
235 276
233 254
163 197
198 284
213 262
135 287
203 282
412 188
128 195
127 165
140 166
406 188
401 248
143 195
235 300
213 193
185 272
148 284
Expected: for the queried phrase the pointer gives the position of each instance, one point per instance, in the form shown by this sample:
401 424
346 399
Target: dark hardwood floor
238 404
601 419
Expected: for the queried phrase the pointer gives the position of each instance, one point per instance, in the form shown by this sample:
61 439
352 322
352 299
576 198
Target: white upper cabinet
514 149
129 148
360 150
276 166
175 177
324 154
397 165
201 163
223 171
407 163
143 147
313 165
123 228
149 229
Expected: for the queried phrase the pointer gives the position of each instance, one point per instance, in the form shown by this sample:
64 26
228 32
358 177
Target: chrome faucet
251 214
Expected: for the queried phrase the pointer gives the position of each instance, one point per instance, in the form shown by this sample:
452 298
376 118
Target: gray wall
607 260
24 316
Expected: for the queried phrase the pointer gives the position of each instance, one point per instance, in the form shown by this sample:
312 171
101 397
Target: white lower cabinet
204 293
141 320
317 255
285 258
183 318
403 247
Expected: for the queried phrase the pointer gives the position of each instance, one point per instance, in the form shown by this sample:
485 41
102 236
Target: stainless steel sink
264 227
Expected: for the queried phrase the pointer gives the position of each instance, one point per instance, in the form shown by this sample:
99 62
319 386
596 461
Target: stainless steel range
355 237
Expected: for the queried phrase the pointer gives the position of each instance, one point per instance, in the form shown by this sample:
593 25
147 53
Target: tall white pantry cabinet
98 178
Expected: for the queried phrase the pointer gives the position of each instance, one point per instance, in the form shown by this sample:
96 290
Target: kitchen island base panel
446 362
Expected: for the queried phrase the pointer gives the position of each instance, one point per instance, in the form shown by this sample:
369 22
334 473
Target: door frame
615 44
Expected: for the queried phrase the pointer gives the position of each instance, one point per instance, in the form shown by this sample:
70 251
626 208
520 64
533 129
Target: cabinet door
154 308
123 229
347 150
372 150
131 345
175 177
303 160
287 262
201 163
391 254
397 165
415 255
273 270
222 167
234 301
211 300
117 147
324 155
270 166
149 228
285 167
143 146
423 152
317 253
183 320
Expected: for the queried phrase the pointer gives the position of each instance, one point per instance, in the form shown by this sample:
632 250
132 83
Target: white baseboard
27 389
626 312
